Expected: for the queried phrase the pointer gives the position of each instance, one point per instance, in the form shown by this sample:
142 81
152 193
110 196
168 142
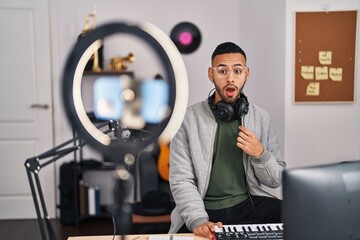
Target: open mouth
230 91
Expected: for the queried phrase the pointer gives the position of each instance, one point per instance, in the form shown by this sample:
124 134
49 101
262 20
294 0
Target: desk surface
136 237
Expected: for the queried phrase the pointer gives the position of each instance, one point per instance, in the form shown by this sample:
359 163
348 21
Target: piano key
218 229
253 227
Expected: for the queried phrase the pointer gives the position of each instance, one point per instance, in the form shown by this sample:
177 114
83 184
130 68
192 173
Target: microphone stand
122 212
33 167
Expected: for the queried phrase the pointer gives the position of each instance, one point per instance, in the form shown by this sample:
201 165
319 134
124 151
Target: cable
114 226
246 182
248 189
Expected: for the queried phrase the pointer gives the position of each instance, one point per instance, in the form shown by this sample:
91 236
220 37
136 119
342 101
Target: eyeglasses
223 72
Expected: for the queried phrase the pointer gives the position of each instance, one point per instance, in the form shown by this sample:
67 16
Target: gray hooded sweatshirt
191 158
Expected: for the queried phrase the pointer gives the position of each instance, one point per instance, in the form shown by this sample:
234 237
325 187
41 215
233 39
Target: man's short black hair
227 47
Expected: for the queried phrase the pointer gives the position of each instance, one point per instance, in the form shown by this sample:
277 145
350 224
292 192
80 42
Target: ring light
175 76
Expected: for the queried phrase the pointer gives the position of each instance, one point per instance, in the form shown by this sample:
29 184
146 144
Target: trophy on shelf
119 63
95 63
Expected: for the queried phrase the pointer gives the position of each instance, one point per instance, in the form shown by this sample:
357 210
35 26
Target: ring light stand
114 149
33 167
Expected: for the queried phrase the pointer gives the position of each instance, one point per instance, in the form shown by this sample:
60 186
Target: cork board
325 56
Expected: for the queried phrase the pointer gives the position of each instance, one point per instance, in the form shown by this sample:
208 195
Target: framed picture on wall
325 56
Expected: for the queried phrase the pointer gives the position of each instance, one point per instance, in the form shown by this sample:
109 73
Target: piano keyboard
250 231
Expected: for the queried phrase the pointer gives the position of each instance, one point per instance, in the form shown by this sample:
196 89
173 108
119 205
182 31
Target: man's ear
247 75
211 74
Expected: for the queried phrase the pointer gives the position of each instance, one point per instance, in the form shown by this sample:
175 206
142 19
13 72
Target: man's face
229 74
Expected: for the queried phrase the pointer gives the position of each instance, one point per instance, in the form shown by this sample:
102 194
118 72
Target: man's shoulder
199 111
257 109
199 106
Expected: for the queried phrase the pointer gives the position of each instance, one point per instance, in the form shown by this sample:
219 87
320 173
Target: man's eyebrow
234 65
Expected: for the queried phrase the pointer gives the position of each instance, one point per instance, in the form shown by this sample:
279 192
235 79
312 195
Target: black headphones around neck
226 111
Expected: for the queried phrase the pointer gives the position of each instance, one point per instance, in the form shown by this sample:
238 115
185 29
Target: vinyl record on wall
186 36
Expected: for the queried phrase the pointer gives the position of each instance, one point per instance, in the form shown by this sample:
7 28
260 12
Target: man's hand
206 229
249 143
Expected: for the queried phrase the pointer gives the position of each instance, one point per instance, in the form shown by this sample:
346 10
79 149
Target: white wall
319 133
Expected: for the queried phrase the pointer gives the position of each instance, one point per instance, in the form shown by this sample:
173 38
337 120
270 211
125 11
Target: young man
225 155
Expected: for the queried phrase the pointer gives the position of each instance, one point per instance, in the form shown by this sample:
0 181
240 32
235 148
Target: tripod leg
43 205
37 208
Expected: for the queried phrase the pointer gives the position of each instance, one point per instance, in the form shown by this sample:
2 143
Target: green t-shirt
227 186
